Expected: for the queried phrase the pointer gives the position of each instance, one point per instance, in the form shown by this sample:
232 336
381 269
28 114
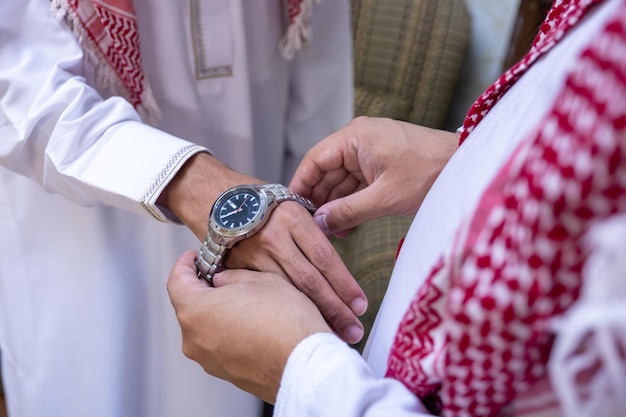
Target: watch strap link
282 193
209 259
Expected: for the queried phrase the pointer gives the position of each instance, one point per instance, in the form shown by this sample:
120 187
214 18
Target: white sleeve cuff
144 161
324 377
288 398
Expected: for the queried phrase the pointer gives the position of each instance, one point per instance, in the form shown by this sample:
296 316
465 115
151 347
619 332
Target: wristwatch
237 214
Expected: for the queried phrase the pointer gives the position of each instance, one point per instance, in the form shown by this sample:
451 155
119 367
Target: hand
371 168
245 328
290 244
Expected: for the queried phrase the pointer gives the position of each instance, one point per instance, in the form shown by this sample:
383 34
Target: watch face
237 209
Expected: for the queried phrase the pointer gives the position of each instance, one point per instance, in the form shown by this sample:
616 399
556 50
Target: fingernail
321 223
358 306
353 334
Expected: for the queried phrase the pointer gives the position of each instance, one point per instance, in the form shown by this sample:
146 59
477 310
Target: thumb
344 213
183 281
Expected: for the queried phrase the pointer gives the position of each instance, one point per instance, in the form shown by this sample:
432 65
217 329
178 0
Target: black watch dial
238 209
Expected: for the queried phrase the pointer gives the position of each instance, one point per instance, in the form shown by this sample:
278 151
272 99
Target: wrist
195 187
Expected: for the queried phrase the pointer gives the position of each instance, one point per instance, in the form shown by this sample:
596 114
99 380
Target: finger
320 193
345 213
343 234
331 183
324 157
306 177
318 271
335 310
349 184
183 280
322 254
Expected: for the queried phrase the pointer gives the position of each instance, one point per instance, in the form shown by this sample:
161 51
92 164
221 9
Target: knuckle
350 216
337 317
321 256
288 214
307 282
360 120
188 349
183 316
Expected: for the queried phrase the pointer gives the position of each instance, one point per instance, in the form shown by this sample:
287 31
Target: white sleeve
324 377
58 131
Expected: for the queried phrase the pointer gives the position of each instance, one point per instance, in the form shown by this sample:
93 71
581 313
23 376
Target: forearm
58 131
324 377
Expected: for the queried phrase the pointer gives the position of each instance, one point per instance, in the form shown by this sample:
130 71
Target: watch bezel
227 236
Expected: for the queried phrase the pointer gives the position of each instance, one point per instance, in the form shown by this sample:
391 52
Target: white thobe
324 377
86 327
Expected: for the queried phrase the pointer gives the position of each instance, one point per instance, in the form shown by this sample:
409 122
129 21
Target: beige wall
491 29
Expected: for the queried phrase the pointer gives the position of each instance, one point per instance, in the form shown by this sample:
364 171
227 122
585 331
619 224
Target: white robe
86 327
324 377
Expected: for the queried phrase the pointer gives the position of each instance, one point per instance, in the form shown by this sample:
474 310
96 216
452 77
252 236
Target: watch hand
244 202
230 213
237 210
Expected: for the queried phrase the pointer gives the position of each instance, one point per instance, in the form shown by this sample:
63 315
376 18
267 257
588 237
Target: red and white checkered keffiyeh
107 30
517 264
